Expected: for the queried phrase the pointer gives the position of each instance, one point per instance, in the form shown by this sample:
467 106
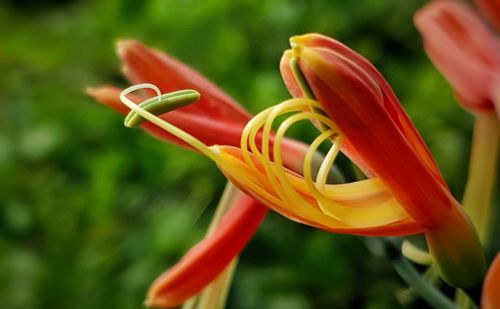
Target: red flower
352 93
214 119
465 50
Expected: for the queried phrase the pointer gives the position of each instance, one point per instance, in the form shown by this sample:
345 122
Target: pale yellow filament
262 173
291 195
276 177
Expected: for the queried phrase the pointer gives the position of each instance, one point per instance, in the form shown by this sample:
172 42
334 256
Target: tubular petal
208 258
465 51
287 74
456 248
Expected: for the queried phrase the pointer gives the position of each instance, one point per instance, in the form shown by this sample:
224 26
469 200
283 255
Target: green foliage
91 212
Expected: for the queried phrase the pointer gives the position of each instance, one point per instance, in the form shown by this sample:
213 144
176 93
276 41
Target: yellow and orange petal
375 211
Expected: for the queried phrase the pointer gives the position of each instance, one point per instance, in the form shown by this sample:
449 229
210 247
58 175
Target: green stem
390 248
482 173
215 294
410 275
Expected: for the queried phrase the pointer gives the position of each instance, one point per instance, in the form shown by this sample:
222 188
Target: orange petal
490 298
465 51
205 261
145 65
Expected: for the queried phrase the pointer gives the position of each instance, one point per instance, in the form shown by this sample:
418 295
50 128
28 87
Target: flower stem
482 173
410 275
215 294
390 248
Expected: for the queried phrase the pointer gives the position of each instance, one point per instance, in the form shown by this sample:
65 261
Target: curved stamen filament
265 119
327 164
291 195
272 169
278 180
187 138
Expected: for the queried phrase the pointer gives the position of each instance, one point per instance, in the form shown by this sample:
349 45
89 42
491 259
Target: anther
161 104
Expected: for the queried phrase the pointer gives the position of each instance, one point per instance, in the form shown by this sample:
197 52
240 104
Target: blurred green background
92 212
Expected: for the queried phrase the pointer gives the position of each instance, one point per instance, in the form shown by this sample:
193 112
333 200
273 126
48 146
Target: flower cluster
355 112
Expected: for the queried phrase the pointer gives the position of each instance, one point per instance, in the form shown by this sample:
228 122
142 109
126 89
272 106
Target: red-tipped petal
145 65
465 51
490 9
490 298
205 261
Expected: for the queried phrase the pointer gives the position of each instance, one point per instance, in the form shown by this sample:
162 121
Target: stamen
275 177
327 163
300 79
187 138
305 88
279 170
